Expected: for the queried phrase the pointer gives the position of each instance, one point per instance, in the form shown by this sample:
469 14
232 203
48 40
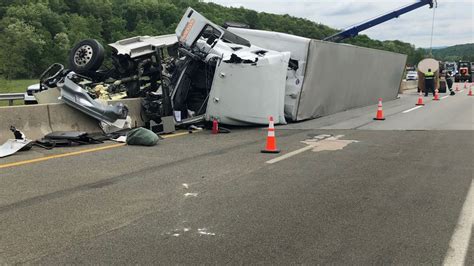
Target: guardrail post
10 102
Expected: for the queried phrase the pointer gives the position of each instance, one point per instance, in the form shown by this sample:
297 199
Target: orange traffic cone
420 100
379 115
470 92
271 139
457 87
436 96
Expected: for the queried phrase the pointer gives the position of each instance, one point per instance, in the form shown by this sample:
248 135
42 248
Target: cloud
453 18
344 9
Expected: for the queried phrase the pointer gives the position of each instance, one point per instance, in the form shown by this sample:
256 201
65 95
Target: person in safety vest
429 82
449 82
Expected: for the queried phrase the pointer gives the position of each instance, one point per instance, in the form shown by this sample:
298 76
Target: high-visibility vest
429 75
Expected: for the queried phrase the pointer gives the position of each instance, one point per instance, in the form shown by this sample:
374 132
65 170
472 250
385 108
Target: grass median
15 85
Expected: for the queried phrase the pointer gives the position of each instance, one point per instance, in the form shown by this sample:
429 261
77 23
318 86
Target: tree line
456 53
37 33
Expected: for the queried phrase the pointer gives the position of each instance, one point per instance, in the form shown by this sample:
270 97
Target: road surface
345 190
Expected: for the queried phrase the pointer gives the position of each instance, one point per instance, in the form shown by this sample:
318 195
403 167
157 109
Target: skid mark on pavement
459 243
317 144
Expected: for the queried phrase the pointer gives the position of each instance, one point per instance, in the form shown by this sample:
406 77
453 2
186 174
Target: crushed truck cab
245 83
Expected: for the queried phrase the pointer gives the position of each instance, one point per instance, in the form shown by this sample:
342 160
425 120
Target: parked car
412 75
29 97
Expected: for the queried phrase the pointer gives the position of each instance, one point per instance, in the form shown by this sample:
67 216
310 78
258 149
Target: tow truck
356 29
464 72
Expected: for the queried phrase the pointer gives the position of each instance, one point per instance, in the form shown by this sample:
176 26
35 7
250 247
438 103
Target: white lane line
290 154
412 109
456 254
444 97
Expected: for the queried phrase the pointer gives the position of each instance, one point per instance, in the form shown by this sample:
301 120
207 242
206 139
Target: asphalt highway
344 190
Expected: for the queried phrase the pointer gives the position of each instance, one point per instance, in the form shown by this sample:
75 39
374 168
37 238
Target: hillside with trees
35 34
455 53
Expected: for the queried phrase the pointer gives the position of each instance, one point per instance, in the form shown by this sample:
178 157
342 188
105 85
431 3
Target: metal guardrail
10 97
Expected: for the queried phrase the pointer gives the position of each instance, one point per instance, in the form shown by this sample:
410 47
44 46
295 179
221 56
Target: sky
453 25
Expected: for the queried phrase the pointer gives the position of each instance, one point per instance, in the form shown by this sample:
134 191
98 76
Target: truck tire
86 56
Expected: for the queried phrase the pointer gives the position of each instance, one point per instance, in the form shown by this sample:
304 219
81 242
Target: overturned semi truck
238 76
289 77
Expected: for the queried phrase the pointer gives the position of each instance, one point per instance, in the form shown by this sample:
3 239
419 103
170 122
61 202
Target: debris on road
12 146
142 136
204 231
66 139
76 97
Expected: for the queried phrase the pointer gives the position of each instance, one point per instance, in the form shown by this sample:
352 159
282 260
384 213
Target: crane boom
354 31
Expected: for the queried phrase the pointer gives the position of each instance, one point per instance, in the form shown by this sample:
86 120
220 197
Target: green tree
20 47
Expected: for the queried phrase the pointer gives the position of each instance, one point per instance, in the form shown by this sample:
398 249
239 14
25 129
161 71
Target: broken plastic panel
12 146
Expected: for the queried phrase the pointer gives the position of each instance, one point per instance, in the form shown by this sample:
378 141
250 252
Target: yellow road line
175 135
62 155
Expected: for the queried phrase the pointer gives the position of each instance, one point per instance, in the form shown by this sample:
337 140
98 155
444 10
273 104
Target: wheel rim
83 55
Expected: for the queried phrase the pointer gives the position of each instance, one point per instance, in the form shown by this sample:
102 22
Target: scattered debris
66 139
186 186
12 146
121 139
75 96
191 195
17 133
187 231
203 231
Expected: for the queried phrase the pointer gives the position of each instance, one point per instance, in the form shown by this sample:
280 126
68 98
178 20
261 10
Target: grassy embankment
18 85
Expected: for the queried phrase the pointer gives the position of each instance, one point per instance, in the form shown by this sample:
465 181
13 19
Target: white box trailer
331 77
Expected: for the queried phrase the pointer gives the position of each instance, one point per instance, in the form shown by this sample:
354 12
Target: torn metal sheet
12 146
75 96
118 125
143 45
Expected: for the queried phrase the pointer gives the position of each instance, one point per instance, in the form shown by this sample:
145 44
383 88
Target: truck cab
451 66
